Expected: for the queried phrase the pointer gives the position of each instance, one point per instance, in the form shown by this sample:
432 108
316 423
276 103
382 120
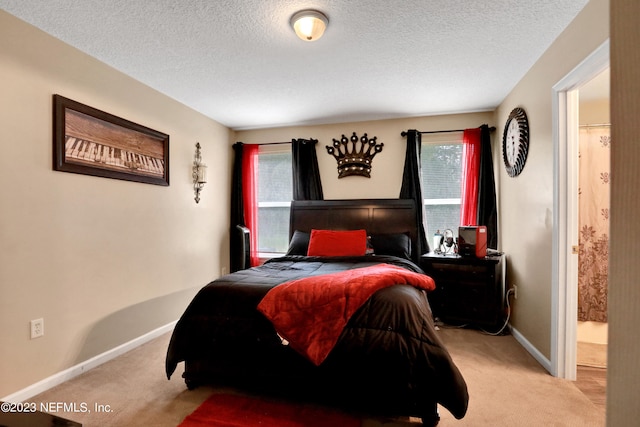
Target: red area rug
228 410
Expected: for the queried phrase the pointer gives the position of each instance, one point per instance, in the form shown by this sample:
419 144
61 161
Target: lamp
199 173
309 24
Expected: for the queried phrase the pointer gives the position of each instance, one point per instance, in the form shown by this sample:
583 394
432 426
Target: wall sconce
309 25
199 173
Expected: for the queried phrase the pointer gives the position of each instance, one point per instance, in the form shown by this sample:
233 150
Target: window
275 191
441 181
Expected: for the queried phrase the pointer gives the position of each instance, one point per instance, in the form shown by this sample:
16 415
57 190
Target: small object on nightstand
472 241
437 242
447 245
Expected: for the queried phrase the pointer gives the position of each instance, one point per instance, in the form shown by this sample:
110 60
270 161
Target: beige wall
526 202
623 374
102 261
386 175
595 112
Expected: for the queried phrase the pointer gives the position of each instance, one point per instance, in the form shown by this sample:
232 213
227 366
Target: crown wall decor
354 158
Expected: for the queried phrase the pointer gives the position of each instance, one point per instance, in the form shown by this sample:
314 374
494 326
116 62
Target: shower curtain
593 258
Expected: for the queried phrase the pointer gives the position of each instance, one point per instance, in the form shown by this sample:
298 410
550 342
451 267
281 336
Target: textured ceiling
239 62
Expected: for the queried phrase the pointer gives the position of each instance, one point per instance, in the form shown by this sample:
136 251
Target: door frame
564 287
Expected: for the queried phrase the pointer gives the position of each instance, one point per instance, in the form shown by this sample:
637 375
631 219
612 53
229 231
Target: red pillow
337 243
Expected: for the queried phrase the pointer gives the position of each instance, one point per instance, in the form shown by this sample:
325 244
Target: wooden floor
593 383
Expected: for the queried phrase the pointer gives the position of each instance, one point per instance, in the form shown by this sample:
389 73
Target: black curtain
237 209
487 211
412 187
306 174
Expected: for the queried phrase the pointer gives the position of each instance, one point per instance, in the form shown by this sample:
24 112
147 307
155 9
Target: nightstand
469 291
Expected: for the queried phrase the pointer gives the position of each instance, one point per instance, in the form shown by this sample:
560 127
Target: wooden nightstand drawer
468 290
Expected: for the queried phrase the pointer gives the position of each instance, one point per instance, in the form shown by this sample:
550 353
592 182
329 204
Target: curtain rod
270 143
278 143
595 125
404 133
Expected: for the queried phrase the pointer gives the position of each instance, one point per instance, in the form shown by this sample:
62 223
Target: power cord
506 322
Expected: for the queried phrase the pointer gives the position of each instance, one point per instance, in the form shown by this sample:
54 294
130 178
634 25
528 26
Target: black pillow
397 244
299 243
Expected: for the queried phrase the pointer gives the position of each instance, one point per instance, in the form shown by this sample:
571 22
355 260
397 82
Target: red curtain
470 175
250 196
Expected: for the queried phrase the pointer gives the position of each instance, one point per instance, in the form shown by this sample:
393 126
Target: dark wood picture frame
91 142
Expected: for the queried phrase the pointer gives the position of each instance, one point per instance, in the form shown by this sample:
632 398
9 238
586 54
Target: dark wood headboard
377 216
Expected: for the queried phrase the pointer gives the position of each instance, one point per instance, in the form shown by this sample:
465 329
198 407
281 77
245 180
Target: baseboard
546 363
74 371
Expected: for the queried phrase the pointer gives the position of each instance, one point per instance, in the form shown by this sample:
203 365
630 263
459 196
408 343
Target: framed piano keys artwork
91 142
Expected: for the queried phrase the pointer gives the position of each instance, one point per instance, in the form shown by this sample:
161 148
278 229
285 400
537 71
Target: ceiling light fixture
309 25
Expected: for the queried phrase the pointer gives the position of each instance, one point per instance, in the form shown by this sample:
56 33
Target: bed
385 358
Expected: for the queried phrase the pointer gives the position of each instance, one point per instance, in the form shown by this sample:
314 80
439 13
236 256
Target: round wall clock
515 142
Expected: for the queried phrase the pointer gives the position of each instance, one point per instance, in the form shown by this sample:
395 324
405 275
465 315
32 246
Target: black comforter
388 358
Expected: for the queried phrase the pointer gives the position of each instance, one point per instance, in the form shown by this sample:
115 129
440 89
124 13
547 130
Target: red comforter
311 312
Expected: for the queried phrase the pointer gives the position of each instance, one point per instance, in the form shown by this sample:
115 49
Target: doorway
565 230
593 220
594 143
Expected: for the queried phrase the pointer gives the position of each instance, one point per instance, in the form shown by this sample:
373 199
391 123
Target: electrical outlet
37 328
515 291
